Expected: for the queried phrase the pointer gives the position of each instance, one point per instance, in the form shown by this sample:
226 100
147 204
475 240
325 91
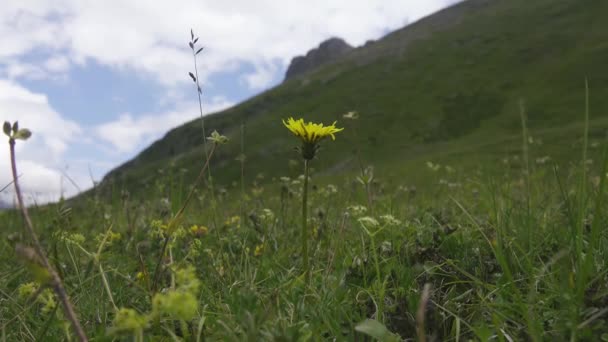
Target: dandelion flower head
310 132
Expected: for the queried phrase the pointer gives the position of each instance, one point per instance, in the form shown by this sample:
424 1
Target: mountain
327 52
446 88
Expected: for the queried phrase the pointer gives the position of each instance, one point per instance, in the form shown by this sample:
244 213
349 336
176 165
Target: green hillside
450 82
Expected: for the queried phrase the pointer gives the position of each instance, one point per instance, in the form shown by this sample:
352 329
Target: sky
97 81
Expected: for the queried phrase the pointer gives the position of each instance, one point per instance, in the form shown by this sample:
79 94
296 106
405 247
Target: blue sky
97 81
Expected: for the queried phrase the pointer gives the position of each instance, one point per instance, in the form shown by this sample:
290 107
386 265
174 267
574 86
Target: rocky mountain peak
328 51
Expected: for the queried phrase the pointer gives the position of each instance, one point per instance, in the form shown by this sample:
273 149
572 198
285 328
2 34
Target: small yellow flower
199 230
114 237
234 220
259 250
310 134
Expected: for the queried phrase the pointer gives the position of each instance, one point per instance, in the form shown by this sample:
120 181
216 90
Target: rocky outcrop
329 51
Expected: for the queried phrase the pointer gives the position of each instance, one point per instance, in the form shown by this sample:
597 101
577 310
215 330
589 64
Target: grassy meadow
466 201
509 249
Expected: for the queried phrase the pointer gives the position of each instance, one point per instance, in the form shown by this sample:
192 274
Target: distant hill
5 205
327 52
447 87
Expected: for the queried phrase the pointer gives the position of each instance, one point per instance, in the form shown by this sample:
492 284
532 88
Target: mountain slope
448 86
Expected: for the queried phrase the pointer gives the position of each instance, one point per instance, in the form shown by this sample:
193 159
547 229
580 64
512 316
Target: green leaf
7 128
16 127
377 330
23 134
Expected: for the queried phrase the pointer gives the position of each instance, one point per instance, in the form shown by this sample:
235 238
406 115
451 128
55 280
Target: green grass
498 245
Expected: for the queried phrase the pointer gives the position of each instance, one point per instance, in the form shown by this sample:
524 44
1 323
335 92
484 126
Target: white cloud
14 69
39 159
57 64
262 77
128 134
52 132
151 37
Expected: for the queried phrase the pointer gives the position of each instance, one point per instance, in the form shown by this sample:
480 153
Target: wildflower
26 290
128 320
433 167
181 302
158 225
199 230
259 250
195 248
267 215
368 221
386 247
352 115
356 210
234 220
218 138
180 305
390 220
310 134
46 297
187 281
76 238
114 237
332 189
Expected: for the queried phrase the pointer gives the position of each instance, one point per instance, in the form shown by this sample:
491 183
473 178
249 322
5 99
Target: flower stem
304 221
55 281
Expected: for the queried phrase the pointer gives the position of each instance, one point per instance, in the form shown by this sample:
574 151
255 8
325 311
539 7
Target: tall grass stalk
242 162
55 281
199 92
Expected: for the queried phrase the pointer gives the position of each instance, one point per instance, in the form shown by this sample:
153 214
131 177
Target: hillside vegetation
451 82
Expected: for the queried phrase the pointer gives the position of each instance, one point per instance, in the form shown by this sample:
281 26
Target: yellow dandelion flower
310 133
